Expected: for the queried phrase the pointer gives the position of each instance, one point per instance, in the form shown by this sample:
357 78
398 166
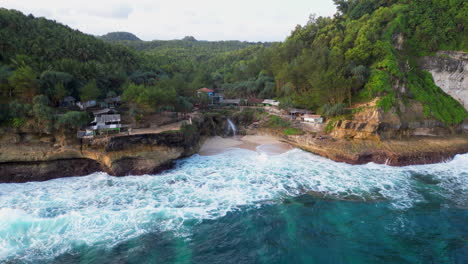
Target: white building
316 119
106 123
270 102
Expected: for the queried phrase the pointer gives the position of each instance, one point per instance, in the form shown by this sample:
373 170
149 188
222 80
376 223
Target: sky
246 20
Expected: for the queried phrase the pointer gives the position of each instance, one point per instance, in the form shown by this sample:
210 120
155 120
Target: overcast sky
251 20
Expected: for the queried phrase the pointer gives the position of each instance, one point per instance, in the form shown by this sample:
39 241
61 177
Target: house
296 112
217 98
315 119
231 102
68 101
255 102
86 104
207 91
270 102
106 123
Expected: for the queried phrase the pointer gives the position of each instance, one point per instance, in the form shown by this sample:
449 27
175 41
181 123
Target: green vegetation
278 122
368 50
120 36
73 120
293 131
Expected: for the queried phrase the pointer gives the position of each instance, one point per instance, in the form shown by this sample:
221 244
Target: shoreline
269 145
396 153
154 153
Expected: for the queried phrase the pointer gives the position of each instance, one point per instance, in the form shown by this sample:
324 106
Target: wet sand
261 144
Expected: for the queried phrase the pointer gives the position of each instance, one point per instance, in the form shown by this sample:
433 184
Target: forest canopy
365 51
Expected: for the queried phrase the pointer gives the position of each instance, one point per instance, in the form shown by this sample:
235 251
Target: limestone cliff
371 122
34 157
450 72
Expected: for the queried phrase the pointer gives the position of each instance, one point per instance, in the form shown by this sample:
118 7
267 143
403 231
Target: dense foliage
119 36
368 50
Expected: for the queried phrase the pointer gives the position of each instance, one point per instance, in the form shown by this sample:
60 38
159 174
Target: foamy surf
42 220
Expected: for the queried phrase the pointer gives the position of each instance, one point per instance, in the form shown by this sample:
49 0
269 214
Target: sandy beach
261 144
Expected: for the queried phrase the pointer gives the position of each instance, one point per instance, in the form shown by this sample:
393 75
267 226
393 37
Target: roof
231 101
107 118
312 116
69 99
104 111
255 101
205 90
296 110
271 102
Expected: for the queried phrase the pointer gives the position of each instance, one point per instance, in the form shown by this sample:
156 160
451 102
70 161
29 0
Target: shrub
277 122
73 120
292 131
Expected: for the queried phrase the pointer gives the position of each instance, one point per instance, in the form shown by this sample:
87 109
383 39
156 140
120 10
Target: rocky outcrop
372 123
33 157
450 72
28 156
27 171
410 151
140 154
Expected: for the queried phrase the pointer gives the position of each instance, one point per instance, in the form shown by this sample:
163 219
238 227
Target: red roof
255 101
206 90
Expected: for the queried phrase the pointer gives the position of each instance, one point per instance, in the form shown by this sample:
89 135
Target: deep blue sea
243 207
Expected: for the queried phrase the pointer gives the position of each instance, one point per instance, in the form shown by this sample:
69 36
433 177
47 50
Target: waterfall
232 127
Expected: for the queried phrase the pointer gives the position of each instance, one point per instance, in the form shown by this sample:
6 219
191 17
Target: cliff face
371 122
450 72
33 157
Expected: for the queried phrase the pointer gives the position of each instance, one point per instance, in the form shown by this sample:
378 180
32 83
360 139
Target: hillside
369 49
45 43
119 36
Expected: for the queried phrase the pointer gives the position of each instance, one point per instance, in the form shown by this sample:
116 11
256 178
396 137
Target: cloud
252 20
122 11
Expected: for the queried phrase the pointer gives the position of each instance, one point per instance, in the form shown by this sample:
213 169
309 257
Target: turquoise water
243 207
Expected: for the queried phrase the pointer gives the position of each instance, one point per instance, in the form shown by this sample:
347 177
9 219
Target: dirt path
170 127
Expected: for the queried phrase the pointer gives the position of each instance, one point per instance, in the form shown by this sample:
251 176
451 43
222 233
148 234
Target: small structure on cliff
86 104
68 101
106 123
314 119
270 102
232 102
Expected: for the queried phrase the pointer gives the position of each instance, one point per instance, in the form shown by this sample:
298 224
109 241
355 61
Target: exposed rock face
46 170
140 154
373 123
35 157
450 72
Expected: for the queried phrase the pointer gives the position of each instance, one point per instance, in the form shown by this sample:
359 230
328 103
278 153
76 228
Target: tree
149 98
53 82
89 91
5 87
183 105
43 113
25 83
73 120
59 92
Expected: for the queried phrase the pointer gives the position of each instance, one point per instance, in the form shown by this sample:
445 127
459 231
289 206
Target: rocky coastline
41 158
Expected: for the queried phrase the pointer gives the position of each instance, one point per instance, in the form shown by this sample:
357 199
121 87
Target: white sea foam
45 219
